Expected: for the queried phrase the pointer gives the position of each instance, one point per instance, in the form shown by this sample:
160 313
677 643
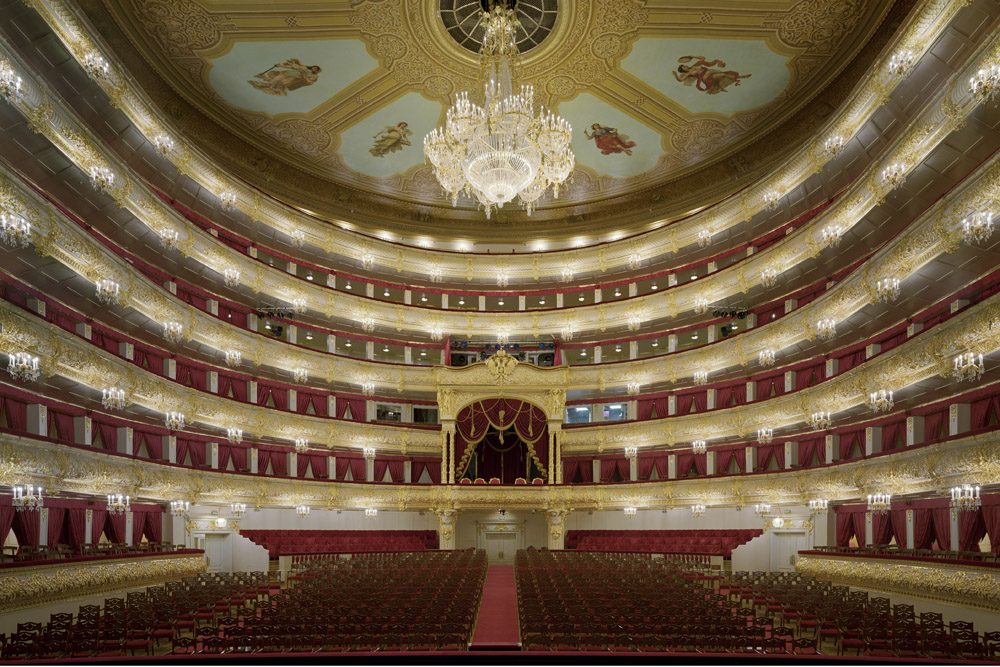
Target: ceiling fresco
344 91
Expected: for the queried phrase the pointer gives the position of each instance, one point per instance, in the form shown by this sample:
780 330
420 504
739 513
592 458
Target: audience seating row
292 542
707 542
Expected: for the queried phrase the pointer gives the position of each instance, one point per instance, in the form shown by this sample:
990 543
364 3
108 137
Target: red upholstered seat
537 481
465 481
520 481
479 480
495 481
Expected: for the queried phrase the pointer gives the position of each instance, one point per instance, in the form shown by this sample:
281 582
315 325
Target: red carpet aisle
497 626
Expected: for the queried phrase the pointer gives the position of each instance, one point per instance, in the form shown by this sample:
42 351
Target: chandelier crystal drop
503 337
118 503
634 323
23 367
830 235
631 452
700 306
768 277
179 507
10 82
108 291
704 238
968 367
300 375
966 498
301 445
567 332
367 260
879 503
96 65
27 498
766 358
113 398
762 509
826 328
368 453
15 230
632 388
894 174
500 150
102 178
298 238
977 228
302 511
164 144
771 199
437 332
227 200
298 305
697 510
699 447
880 401
169 238
234 435
238 510
172 331
833 145
820 420
700 377
502 278
371 513
233 358
765 436
174 421
231 277
818 505
630 512
634 260
901 62
368 388
887 290
985 84
368 324
567 273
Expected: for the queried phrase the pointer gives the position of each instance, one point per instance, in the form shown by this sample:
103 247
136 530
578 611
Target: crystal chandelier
231 277
113 398
901 62
630 512
238 510
23 367
500 150
887 290
700 306
174 421
371 513
820 420
172 331
771 199
15 230
634 323
10 82
879 503
768 277
818 505
367 260
368 324
894 174
437 332
302 511
179 507
301 445
233 358
704 238
567 333
831 235
102 178
164 144
880 401
826 328
968 367
765 435
634 260
986 83
436 275
698 510
234 435
566 275
503 278
300 375
95 65
108 291
368 453
766 358
632 388
503 337
27 498
298 238
762 509
368 388
169 238
833 145
699 447
631 452
227 200
118 503
966 498
700 377
977 228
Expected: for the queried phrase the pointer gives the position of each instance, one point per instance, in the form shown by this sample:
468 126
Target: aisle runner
497 625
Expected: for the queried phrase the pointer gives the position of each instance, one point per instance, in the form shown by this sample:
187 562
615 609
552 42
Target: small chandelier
302 511
894 174
371 513
179 507
826 328
766 358
23 367
368 453
632 388
567 273
762 509
879 503
503 278
500 150
820 420
985 84
234 435
503 337
833 145
95 65
174 421
368 388
437 332
27 498
231 277
818 505
298 238
368 324
634 260
113 398
108 291
227 200
169 238
968 367
700 306
300 375
700 377
765 435
164 144
699 447
436 274
831 235
10 82
172 331
698 510
771 199
15 230
367 260
630 512
704 238
634 322
901 62
631 452
233 358
887 290
966 498
977 227
880 401
118 503
298 305
567 332
238 510
301 445
768 277
102 178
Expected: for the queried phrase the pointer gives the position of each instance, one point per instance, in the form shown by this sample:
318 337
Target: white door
220 557
783 547
500 547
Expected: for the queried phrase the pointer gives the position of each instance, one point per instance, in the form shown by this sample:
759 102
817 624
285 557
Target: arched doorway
501 437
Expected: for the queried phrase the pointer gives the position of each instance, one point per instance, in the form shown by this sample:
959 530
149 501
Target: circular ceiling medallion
461 20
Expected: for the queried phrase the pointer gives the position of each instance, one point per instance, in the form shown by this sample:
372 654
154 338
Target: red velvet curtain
890 433
770 387
357 406
233 387
807 452
474 421
191 376
305 401
319 466
358 471
57 516
645 466
652 408
570 468
845 528
898 518
701 464
764 455
990 512
882 528
381 465
858 517
63 425
984 411
684 463
932 425
807 377
239 455
109 435
16 414
848 441
396 470
153 442
942 526
923 528
114 528
153 526
278 395
971 529
98 519
138 525
76 526
27 528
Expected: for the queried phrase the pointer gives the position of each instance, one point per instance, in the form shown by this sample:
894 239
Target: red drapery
153 527
233 387
882 528
272 395
27 528
15 412
114 527
380 466
942 527
612 465
971 529
138 524
651 408
76 526
991 521
396 470
98 519
57 516
356 405
898 518
923 528
474 422
310 404
845 528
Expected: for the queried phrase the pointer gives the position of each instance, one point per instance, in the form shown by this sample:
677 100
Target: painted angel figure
391 139
285 76
608 140
697 71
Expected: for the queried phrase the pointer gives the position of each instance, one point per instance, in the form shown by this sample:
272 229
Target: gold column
451 457
552 457
559 466
444 456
